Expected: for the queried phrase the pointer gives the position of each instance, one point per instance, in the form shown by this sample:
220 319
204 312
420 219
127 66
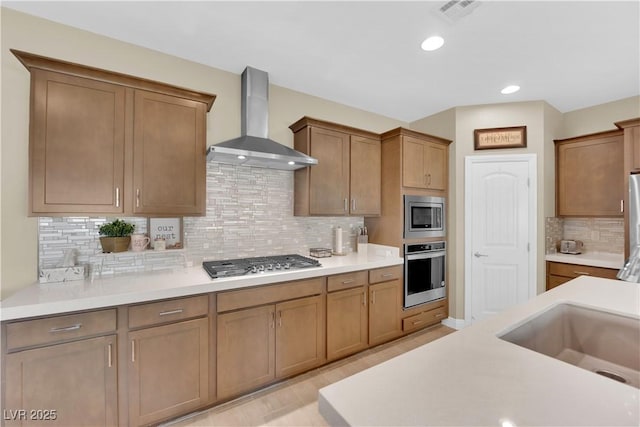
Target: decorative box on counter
320 252
62 274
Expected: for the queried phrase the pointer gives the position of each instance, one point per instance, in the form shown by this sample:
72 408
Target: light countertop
471 377
56 298
594 259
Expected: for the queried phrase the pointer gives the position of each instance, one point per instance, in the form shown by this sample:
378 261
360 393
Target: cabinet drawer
554 281
347 280
385 274
423 319
575 270
168 311
234 300
59 328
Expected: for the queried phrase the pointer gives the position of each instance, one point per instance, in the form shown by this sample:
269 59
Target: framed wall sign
169 229
511 137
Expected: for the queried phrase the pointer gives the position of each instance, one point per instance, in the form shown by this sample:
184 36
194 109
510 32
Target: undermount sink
604 343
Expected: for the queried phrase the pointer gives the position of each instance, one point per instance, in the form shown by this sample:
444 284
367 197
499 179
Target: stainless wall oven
424 273
423 217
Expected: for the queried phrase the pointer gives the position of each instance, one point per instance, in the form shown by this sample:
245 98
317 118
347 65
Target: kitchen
20 233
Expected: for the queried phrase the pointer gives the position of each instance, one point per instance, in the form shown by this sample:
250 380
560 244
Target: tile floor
294 402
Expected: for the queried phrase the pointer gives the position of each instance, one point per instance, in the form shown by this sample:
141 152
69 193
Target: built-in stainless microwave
424 216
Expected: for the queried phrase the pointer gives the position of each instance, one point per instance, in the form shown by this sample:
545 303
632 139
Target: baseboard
454 323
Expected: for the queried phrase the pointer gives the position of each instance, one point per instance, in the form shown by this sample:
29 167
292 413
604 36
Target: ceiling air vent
452 11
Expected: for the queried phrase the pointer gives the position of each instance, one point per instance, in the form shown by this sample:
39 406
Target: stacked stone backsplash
597 234
249 213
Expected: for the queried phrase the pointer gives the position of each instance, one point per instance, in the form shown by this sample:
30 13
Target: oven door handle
426 255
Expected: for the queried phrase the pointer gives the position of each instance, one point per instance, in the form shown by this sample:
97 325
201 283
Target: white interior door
500 223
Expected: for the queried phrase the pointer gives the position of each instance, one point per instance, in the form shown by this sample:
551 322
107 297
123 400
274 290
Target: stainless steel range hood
254 148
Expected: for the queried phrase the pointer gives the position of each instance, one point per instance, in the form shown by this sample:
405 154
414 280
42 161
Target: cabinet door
329 179
384 311
366 175
73 384
413 163
246 350
436 167
347 326
169 370
590 177
169 159
299 335
76 145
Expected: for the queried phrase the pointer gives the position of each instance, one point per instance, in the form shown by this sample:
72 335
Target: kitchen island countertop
56 298
472 377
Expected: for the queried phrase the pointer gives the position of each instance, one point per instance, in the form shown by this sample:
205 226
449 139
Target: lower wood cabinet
347 322
384 311
66 384
260 344
559 273
168 371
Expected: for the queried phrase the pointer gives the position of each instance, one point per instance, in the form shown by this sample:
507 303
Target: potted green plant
116 236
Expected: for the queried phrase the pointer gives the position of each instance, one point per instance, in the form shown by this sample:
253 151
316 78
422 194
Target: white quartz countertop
594 259
473 378
55 298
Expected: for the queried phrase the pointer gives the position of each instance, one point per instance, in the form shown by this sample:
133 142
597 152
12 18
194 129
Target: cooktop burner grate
243 266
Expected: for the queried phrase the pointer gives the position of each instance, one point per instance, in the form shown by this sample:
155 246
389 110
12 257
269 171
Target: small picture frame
509 137
169 229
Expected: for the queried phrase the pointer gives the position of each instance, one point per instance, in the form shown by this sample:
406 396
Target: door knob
478 255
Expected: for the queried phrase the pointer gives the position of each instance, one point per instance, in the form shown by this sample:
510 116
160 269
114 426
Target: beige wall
598 118
18 266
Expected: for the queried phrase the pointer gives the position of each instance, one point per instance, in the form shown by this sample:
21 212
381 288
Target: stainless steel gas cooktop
243 266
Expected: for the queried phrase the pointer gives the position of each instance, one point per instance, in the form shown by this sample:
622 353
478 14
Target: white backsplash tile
249 213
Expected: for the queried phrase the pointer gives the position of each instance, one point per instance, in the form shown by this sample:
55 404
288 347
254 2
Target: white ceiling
572 54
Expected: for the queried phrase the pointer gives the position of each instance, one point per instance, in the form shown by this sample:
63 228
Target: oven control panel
424 247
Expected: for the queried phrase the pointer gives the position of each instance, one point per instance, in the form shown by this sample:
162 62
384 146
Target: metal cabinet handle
133 350
621 206
439 315
353 204
137 197
66 328
428 179
478 255
364 298
387 275
346 204
417 322
109 360
273 319
170 312
117 197
346 282
280 319
373 297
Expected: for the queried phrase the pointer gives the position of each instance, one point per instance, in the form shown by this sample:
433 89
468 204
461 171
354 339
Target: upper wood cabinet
108 143
169 155
347 178
423 164
590 175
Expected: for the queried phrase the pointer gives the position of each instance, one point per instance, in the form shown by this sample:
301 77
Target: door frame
469 161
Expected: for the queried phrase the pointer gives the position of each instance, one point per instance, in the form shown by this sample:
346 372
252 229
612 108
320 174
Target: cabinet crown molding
400 131
310 121
30 61
628 123
604 134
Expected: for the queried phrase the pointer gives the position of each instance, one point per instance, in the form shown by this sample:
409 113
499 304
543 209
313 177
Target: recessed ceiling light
291 163
510 89
241 157
432 43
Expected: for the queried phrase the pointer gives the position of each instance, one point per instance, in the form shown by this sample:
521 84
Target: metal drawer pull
137 197
109 357
439 315
346 282
583 273
417 322
66 328
273 319
353 204
117 197
168 313
364 298
387 275
133 351
280 319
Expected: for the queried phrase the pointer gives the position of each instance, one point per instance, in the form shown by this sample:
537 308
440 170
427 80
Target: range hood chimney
253 147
